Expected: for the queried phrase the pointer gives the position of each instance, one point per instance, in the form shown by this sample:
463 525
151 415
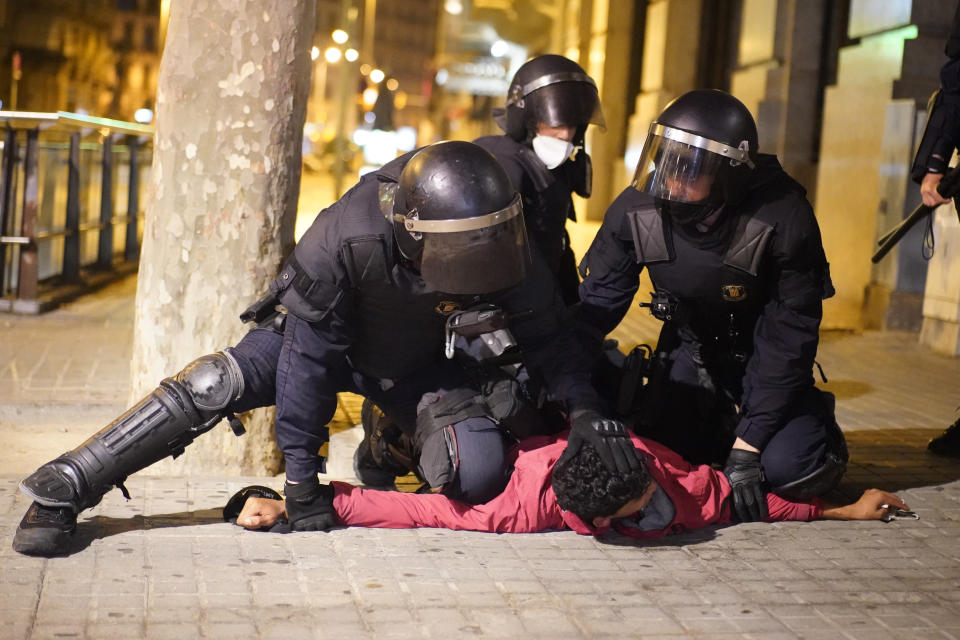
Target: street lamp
340 36
376 76
143 115
332 54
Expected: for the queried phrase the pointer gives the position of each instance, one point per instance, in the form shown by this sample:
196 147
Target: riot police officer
550 103
367 292
940 138
735 256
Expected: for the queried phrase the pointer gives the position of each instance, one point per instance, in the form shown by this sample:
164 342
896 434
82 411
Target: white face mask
552 151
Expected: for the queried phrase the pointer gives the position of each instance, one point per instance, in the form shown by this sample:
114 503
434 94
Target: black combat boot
162 424
45 531
948 442
385 451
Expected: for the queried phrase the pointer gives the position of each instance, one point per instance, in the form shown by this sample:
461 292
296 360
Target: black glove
609 437
745 474
310 506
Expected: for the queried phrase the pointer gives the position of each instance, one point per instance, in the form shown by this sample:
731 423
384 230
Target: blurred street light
332 54
376 76
340 36
453 7
143 115
351 55
314 53
392 84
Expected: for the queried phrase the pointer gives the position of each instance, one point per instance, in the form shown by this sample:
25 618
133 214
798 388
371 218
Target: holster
265 313
637 368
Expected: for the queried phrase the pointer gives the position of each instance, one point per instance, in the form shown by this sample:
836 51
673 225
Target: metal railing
60 177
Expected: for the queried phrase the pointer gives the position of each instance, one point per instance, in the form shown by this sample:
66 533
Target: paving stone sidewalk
164 565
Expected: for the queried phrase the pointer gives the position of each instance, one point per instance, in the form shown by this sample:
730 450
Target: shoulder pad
650 241
538 172
304 296
504 147
748 244
386 192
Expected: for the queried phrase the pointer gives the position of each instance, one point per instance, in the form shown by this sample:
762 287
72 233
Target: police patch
733 292
446 308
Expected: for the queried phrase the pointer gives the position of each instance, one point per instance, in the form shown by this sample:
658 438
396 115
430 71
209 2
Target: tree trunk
231 99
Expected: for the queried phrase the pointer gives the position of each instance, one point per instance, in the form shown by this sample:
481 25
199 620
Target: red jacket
700 495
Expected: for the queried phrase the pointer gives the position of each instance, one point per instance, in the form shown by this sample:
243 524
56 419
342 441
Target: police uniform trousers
694 412
479 467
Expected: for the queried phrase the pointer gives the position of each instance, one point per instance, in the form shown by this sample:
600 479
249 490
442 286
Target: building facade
839 91
88 56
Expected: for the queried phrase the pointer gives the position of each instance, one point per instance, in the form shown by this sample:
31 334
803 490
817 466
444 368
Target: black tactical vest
399 324
716 284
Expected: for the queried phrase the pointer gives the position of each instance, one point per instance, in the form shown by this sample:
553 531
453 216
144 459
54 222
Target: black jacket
749 291
942 132
363 310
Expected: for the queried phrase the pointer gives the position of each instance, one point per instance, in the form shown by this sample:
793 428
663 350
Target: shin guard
161 424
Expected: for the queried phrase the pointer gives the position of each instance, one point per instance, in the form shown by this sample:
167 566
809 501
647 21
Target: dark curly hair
586 487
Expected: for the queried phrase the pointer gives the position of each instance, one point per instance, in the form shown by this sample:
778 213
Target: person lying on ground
666 495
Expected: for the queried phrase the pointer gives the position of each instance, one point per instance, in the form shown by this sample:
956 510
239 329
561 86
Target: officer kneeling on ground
735 256
368 292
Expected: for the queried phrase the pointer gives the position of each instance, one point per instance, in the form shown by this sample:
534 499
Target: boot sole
42 541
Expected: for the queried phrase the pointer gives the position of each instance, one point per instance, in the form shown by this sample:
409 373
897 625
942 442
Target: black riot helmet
458 218
553 90
698 155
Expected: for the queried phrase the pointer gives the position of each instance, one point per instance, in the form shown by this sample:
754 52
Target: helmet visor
682 167
473 255
562 99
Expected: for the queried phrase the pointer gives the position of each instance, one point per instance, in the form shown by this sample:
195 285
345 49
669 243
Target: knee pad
464 466
828 476
461 447
439 458
816 483
213 381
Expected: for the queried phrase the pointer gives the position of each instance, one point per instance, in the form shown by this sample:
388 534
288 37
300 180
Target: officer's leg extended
162 424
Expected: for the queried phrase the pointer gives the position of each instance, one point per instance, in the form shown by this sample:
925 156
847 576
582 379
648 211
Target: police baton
949 187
